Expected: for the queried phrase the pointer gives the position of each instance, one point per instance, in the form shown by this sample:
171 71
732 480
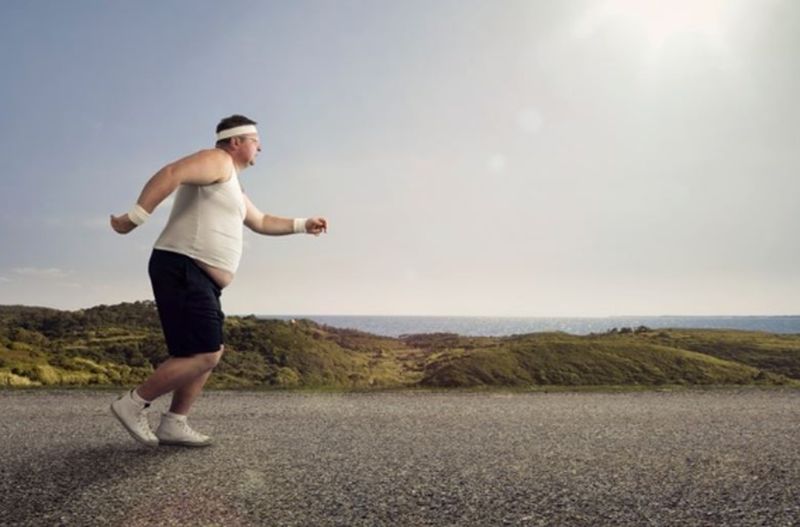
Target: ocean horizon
395 326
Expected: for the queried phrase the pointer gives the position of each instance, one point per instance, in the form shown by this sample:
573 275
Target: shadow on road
41 485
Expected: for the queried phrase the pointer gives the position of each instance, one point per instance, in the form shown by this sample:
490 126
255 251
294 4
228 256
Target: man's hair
232 122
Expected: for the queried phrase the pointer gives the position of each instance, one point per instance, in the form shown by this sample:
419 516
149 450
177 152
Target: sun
659 21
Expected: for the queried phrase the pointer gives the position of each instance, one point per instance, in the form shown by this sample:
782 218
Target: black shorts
188 304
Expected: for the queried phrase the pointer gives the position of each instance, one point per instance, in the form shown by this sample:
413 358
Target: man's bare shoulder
204 167
214 156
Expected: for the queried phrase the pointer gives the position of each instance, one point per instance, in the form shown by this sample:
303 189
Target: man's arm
202 168
262 223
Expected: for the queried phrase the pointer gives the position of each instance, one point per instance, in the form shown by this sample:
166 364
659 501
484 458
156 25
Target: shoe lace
143 423
189 430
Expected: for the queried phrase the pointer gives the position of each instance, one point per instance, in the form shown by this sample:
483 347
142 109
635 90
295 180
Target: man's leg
183 397
174 429
176 372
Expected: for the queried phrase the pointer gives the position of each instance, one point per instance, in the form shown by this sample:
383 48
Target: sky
514 158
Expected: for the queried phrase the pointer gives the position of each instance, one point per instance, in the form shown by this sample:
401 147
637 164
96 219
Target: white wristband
299 225
138 215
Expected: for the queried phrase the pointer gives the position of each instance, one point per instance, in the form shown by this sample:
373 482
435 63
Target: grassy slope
767 351
562 359
114 345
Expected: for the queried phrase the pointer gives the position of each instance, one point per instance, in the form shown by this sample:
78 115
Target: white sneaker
133 417
176 431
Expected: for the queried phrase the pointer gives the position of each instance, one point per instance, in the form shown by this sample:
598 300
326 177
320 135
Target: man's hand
122 224
316 226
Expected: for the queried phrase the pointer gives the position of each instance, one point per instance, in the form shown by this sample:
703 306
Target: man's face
249 147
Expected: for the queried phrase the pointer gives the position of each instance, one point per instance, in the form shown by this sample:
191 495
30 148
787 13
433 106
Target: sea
395 326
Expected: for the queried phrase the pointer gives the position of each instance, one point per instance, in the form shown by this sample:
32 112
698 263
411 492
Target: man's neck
239 168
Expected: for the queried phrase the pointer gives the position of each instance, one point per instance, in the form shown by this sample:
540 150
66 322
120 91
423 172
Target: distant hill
609 359
121 345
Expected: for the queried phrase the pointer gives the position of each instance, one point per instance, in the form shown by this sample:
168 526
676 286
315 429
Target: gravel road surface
721 457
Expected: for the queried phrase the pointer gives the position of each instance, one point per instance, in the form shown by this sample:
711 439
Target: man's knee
212 359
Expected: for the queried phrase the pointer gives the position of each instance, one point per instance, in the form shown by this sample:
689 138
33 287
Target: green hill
767 351
122 344
562 359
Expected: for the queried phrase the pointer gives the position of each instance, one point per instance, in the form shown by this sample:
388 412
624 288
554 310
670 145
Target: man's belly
221 277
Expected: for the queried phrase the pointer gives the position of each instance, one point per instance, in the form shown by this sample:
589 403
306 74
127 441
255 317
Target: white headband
239 130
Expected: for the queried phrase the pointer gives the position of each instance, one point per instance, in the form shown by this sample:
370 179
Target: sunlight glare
660 21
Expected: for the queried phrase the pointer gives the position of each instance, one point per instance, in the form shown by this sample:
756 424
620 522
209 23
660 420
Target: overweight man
193 260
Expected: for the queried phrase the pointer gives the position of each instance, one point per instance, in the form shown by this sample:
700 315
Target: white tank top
206 223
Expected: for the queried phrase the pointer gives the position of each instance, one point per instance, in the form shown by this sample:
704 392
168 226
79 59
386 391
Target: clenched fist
122 224
316 226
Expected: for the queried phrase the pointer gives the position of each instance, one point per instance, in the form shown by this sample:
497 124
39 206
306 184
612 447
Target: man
196 257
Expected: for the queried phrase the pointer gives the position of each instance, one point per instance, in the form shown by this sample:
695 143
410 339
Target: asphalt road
729 457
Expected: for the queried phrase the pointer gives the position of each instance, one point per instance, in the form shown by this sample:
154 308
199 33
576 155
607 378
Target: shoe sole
131 432
183 443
